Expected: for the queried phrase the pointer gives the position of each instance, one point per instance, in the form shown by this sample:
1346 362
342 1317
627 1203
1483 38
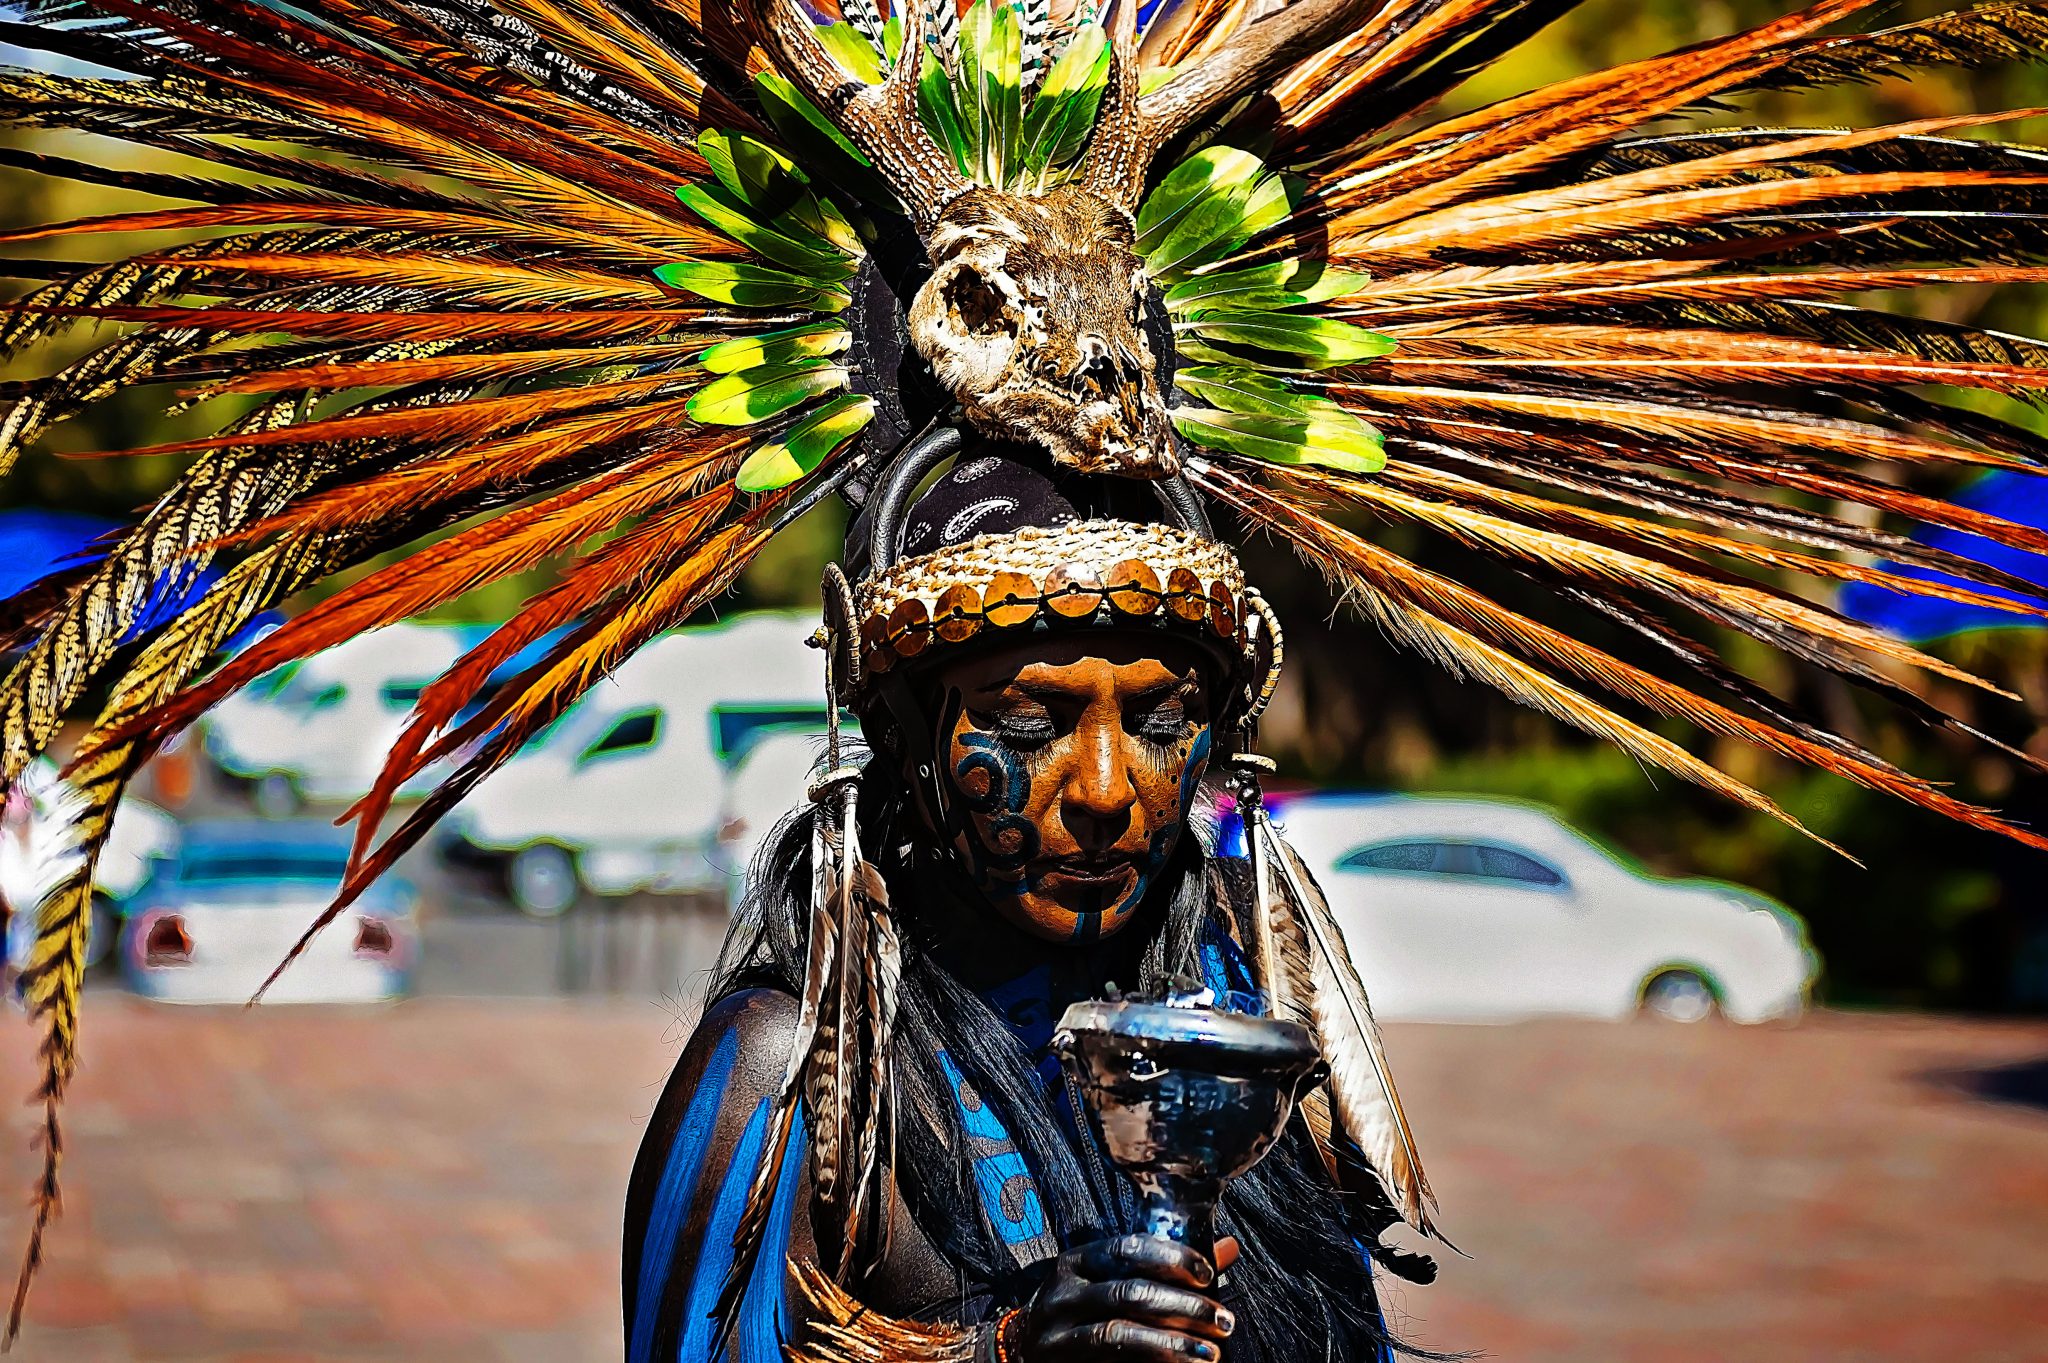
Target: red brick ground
442 1181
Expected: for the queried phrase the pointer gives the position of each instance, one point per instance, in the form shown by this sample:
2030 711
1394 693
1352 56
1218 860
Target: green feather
1349 445
1281 284
817 143
806 444
987 94
751 286
1062 113
815 340
1002 74
853 52
1203 202
789 244
1315 342
940 111
753 395
771 186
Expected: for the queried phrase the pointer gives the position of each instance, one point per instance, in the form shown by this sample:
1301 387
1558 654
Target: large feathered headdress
629 284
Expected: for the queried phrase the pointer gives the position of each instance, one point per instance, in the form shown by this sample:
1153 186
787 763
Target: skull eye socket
976 303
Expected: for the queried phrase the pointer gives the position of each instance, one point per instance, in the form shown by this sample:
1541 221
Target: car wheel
1680 996
276 796
542 880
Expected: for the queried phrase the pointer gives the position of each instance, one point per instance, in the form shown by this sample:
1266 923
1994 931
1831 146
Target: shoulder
697 1160
735 1057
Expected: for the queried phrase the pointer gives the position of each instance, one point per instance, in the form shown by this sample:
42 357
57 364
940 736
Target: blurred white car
318 729
1478 909
623 793
142 836
221 916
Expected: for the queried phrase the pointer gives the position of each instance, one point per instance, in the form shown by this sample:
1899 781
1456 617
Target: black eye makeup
1168 715
1023 727
1166 723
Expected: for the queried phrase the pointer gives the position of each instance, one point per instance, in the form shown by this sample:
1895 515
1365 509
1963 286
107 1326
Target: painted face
1073 766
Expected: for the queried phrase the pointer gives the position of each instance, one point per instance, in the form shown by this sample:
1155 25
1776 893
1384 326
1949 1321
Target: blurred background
1734 1095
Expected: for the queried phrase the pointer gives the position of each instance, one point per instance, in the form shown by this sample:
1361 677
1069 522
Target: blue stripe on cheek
714 1258
672 1198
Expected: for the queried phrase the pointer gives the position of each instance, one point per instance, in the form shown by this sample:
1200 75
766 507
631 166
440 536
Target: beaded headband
1092 573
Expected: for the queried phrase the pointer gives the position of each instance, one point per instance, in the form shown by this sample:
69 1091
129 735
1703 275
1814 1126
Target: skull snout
1104 368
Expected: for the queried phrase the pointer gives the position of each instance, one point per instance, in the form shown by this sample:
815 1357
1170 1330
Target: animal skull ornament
1032 320
1031 317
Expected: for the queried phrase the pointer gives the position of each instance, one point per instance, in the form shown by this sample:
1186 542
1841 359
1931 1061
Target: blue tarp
2017 497
35 543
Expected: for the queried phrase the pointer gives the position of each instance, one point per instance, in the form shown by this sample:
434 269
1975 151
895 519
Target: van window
305 694
401 695
630 732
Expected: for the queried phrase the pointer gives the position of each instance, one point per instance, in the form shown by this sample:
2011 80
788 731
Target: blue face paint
994 787
672 1199
1163 840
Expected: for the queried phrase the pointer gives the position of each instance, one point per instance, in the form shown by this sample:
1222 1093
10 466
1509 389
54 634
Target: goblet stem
1170 1209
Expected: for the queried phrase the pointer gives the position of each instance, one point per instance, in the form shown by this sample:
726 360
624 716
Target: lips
1107 873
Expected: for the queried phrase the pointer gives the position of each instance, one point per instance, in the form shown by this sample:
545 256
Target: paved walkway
441 1181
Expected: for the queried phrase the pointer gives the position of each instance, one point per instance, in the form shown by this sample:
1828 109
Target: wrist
998 1342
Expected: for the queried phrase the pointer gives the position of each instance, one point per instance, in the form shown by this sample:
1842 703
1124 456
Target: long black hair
1302 1288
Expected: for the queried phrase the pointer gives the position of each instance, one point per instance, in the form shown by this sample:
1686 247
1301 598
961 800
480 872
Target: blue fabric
2017 497
714 1258
672 1199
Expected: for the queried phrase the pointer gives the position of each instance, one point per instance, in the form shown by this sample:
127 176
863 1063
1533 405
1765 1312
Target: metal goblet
1186 1097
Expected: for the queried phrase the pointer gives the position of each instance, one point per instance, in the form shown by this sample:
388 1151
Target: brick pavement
442 1181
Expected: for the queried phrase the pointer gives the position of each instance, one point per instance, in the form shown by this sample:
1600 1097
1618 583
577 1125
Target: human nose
1097 800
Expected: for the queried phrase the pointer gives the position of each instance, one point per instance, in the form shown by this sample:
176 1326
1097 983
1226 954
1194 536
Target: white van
319 729
623 793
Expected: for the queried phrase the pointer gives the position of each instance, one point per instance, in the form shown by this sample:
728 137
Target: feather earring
1312 977
837 1074
1307 974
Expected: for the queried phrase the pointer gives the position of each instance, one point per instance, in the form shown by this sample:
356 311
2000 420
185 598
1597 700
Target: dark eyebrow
1039 690
1171 688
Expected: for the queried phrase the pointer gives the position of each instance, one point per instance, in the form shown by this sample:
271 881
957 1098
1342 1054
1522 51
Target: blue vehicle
228 905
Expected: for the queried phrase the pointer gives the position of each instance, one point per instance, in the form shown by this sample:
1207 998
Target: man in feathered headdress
1049 684
624 287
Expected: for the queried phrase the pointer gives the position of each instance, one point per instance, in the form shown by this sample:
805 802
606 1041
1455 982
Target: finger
1145 1256
1127 1342
1226 1252
1151 1303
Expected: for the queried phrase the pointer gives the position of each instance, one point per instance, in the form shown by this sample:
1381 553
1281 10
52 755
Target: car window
262 864
1474 860
1416 858
628 733
1500 863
